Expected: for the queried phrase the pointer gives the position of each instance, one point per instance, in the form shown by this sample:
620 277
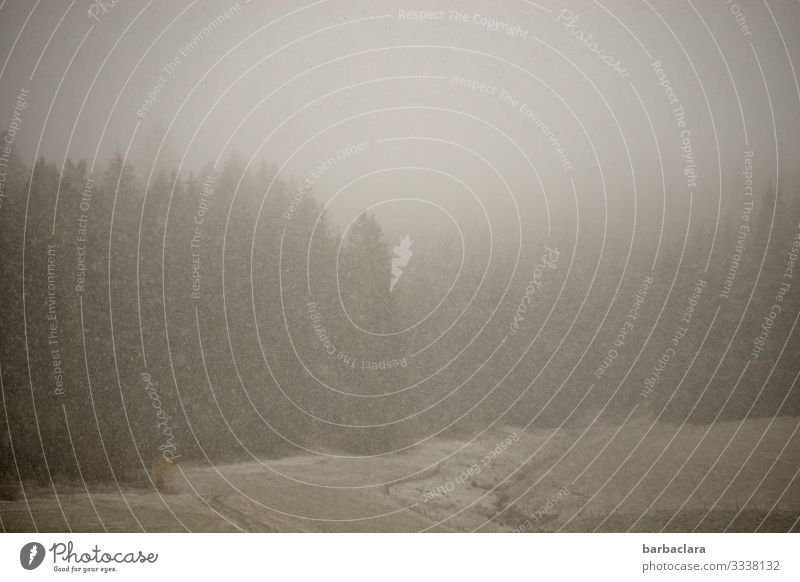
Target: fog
349 248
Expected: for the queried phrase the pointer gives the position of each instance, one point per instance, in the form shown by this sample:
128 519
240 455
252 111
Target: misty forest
397 316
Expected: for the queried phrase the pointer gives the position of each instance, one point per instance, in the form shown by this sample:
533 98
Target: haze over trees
185 317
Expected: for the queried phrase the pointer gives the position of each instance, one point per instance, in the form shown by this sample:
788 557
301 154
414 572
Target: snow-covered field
643 476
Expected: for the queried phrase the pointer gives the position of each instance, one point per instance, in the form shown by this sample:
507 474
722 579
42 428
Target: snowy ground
643 476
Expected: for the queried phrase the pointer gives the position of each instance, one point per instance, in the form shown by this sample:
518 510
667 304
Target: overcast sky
296 84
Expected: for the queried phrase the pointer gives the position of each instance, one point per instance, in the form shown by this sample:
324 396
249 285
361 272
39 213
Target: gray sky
295 85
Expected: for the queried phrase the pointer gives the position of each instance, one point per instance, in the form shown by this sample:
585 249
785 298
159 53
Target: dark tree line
187 318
